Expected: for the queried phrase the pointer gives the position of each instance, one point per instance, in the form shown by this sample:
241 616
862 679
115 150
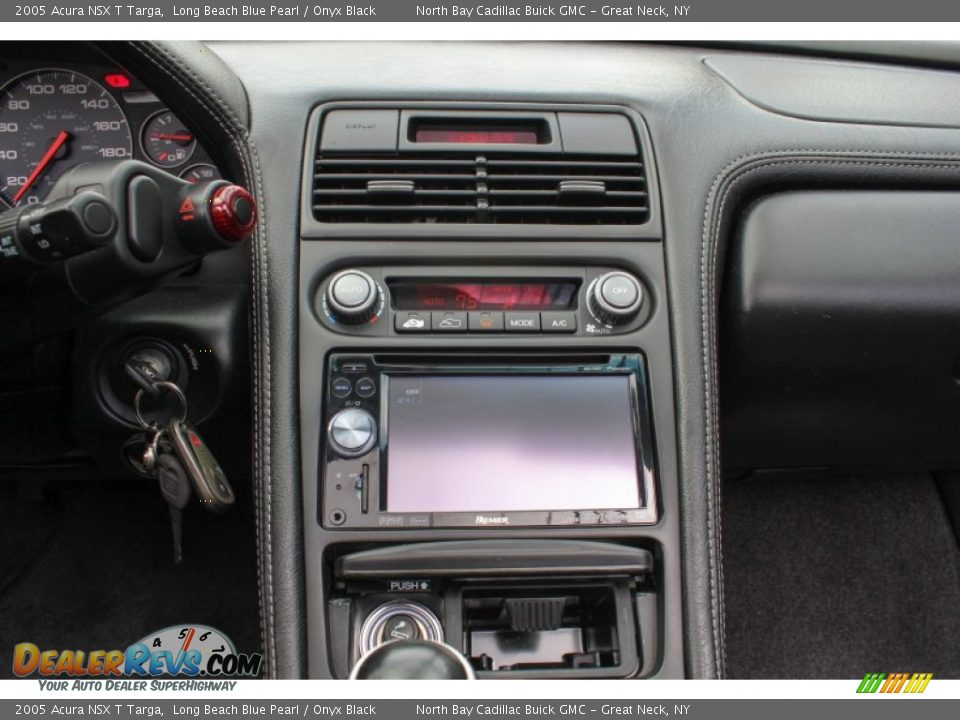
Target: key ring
173 389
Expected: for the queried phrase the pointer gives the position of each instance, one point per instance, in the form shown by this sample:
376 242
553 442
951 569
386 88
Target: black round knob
352 296
413 660
615 298
352 432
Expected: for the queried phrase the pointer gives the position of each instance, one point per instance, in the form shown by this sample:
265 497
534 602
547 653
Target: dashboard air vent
472 188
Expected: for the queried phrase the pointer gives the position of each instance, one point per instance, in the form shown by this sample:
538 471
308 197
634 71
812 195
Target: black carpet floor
834 576
90 566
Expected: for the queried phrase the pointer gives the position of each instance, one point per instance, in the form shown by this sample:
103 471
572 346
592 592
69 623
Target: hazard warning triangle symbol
186 206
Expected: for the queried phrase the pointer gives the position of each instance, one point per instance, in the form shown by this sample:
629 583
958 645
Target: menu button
341 387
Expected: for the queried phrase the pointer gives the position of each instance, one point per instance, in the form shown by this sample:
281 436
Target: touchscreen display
474 443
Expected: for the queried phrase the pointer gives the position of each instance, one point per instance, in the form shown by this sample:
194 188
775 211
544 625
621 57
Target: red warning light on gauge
117 80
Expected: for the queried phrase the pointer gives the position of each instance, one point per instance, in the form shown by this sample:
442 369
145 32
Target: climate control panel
442 301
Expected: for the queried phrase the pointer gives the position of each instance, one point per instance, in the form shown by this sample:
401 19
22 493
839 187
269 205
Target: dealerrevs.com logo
179 650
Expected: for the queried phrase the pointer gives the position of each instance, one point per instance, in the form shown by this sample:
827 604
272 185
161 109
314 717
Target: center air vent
532 188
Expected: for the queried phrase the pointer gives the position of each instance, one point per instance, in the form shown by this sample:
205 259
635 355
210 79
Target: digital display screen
498 443
498 295
475 135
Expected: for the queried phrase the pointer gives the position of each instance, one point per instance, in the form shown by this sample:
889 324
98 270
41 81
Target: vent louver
473 188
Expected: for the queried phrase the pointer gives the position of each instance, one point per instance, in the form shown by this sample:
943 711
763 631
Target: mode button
522 322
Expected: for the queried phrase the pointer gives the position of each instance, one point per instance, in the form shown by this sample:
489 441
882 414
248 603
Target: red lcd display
475 135
486 295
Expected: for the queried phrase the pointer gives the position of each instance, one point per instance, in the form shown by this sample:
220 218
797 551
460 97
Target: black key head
175 485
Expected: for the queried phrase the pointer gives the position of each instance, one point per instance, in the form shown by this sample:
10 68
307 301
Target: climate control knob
353 297
352 432
615 298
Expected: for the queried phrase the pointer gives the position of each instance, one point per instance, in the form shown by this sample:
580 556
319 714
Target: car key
209 480
151 448
175 488
153 433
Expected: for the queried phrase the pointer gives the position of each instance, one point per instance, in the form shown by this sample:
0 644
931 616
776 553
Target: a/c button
558 322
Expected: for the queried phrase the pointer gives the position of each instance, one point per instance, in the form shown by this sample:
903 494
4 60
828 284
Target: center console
486 441
486 393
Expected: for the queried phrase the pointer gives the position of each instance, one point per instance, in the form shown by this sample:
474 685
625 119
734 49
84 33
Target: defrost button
485 321
455 322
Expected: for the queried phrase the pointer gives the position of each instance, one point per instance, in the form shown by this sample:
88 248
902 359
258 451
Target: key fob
209 480
175 486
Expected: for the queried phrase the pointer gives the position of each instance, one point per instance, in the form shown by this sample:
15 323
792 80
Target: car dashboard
520 325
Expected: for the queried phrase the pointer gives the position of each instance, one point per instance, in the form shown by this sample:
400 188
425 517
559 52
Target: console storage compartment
555 626
530 608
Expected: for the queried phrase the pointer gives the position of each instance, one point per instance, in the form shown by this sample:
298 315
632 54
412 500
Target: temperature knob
352 432
615 298
353 297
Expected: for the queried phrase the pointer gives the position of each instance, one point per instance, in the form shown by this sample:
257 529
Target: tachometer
51 120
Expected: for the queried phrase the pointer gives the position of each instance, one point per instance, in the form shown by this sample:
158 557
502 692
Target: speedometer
51 120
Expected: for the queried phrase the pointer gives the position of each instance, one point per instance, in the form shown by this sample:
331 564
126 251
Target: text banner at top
619 11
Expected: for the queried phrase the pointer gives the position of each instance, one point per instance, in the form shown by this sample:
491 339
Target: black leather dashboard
714 151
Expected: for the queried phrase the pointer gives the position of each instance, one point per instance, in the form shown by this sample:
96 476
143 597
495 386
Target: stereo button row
342 387
485 322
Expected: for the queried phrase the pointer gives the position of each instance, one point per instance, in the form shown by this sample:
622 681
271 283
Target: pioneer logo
491 520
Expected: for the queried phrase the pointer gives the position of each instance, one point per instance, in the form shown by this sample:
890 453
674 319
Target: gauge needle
57 143
184 138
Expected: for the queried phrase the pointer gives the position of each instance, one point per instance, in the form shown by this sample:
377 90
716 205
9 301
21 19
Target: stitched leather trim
233 128
731 186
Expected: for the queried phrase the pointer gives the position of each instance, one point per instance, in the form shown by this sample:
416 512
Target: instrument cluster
62 105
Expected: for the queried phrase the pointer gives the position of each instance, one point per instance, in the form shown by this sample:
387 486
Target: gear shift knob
413 660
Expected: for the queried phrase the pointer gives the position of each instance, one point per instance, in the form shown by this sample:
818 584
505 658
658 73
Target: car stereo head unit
416 441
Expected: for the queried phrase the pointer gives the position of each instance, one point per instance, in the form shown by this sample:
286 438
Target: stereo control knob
615 298
352 432
353 296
